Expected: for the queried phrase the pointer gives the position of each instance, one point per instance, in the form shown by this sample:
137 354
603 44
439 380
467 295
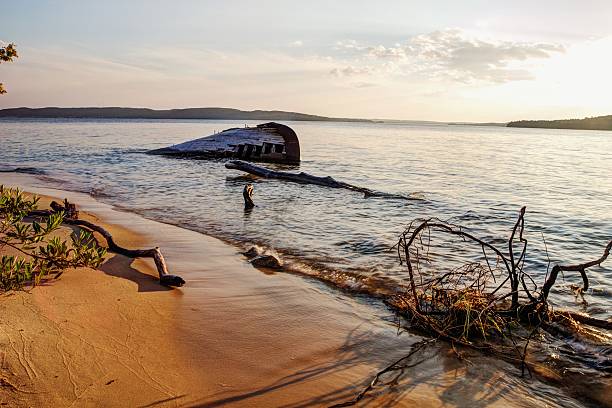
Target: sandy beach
233 335
332 205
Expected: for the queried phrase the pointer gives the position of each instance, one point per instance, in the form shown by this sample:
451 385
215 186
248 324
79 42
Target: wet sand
234 335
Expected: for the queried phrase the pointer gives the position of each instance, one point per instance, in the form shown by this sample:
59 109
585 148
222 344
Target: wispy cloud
348 45
453 55
350 71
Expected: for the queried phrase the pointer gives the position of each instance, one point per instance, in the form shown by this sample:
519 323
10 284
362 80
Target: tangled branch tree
491 303
480 297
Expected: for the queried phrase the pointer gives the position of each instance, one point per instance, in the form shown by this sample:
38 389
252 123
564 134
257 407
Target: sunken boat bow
267 142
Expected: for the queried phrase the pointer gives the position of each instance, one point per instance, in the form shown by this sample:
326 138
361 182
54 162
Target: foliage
594 123
42 255
6 55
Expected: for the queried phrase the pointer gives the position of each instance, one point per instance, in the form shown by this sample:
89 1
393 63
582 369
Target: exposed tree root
491 303
479 296
71 218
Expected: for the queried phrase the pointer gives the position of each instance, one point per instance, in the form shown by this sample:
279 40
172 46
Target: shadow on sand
441 380
121 267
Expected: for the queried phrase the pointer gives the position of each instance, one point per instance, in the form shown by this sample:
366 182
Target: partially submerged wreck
267 142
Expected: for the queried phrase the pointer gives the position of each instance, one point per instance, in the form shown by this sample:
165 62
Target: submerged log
588 320
71 218
305 178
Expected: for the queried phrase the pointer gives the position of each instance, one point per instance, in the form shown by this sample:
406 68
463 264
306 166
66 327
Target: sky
446 60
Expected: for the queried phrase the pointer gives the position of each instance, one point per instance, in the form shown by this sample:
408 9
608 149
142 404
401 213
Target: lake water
478 177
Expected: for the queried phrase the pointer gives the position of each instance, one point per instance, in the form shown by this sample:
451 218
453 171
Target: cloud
380 51
182 76
297 43
349 45
453 55
364 85
350 71
353 76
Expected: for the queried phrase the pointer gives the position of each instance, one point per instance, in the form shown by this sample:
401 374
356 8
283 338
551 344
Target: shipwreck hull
267 142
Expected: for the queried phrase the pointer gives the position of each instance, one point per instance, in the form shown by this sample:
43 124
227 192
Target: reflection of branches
400 365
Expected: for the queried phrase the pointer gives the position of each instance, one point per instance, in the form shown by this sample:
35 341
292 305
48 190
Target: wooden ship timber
267 142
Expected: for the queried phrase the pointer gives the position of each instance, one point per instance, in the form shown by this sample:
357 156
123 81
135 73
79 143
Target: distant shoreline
145 113
593 123
493 124
589 123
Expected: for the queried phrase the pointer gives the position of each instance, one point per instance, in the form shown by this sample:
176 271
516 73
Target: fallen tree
491 303
305 178
514 293
70 216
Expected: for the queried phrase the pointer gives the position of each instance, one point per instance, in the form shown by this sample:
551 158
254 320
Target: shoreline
233 335
183 332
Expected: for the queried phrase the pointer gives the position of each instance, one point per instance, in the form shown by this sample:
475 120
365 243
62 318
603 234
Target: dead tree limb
305 178
581 268
71 218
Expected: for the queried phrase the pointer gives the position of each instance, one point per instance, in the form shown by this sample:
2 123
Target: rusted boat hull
267 142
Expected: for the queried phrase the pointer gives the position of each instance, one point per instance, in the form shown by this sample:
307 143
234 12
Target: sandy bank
232 336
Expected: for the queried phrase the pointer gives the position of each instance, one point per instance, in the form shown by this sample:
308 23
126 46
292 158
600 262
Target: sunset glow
353 59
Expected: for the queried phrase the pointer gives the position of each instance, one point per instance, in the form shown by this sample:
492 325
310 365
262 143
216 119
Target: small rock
267 261
252 253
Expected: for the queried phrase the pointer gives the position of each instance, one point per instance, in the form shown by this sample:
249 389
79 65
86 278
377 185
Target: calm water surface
478 177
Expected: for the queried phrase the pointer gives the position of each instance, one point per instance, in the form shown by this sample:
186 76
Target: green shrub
42 255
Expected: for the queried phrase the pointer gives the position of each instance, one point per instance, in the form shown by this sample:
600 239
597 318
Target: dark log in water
305 178
71 218
247 194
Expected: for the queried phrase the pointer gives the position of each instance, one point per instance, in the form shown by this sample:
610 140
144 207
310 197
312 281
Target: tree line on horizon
146 113
589 123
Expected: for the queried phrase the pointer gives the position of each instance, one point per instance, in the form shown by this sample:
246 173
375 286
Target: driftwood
247 194
71 218
305 178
